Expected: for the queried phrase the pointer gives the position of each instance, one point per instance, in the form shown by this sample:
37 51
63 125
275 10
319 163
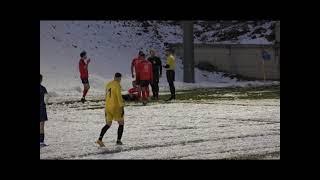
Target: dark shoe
83 100
169 99
119 142
42 144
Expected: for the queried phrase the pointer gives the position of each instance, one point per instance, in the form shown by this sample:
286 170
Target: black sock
174 92
41 138
120 131
103 131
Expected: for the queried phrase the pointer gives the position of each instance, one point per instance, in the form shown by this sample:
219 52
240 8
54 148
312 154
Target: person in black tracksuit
157 73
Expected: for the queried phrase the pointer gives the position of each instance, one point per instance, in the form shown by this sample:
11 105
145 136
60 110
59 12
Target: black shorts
85 80
138 82
43 114
127 97
144 83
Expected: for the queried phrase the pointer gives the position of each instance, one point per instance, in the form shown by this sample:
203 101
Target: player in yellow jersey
114 109
170 67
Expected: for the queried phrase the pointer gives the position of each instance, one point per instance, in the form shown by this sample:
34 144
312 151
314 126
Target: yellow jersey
113 96
171 62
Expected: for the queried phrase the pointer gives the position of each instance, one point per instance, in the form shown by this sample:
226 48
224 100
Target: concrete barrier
242 59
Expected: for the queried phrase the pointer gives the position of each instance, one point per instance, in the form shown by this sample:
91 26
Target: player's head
117 77
40 78
141 54
83 55
169 52
152 52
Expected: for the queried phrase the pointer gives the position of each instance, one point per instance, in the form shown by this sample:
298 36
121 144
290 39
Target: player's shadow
118 148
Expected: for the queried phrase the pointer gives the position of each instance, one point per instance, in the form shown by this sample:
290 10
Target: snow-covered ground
206 130
180 130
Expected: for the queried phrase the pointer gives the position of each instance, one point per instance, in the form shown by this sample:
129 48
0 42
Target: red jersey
83 68
134 65
145 70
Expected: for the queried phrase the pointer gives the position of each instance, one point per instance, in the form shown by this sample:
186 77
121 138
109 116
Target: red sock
139 93
143 94
148 91
84 92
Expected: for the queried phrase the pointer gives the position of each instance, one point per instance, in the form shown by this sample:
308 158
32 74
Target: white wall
245 60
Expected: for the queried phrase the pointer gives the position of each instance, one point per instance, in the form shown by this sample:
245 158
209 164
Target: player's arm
151 72
86 64
159 64
132 69
80 67
83 65
46 96
120 99
119 96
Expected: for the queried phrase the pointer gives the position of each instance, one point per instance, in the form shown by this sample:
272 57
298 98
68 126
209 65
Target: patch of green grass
231 93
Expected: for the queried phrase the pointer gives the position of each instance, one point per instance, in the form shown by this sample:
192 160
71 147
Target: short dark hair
117 75
170 50
152 50
83 53
141 53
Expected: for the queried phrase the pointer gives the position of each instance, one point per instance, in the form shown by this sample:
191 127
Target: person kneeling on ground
133 93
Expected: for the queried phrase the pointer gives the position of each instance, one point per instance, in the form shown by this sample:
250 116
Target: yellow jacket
171 62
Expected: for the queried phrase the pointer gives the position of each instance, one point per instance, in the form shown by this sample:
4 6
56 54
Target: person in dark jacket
43 111
157 73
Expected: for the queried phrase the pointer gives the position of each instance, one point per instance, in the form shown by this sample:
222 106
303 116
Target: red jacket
83 68
145 70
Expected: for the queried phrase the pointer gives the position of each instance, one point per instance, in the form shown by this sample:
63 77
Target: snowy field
186 129
237 129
